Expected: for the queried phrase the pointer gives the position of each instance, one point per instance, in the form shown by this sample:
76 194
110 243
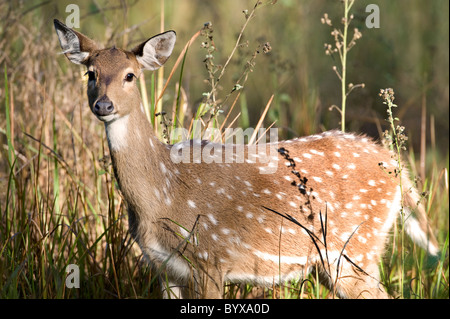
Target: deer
327 206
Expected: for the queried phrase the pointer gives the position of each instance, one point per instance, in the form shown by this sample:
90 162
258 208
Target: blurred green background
409 52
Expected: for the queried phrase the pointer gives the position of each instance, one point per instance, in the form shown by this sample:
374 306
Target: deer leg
351 282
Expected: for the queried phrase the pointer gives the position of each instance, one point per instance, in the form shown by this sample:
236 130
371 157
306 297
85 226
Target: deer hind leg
200 285
172 290
353 283
193 288
210 285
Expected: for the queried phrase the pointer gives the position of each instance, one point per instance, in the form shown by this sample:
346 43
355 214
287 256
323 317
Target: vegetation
59 203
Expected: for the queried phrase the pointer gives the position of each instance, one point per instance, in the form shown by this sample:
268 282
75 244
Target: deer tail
416 221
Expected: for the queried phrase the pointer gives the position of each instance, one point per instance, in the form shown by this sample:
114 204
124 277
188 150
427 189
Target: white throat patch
116 133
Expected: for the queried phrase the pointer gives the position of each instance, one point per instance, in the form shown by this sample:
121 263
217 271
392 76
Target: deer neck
141 164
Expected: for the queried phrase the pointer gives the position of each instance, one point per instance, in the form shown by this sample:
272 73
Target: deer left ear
76 46
153 53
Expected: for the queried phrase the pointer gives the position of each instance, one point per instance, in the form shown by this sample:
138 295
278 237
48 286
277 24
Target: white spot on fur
345 236
349 136
191 204
163 167
377 220
184 232
317 152
212 219
203 256
281 259
317 179
157 193
361 239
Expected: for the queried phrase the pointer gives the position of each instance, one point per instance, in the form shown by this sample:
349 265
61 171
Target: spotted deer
327 207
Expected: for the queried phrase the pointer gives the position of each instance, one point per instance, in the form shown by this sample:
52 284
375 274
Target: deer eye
129 77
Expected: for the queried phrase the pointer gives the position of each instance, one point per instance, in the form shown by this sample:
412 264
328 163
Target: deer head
112 72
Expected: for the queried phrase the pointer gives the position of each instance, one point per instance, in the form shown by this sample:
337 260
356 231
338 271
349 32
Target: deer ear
154 52
76 46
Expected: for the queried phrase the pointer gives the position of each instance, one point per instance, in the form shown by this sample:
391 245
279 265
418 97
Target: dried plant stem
347 4
212 103
341 47
238 41
177 63
397 143
144 96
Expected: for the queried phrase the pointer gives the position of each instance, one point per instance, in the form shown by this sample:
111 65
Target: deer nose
103 107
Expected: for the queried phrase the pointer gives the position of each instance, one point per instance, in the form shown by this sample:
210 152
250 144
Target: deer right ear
154 52
76 46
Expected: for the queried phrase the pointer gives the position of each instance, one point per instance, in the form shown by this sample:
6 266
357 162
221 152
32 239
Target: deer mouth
107 118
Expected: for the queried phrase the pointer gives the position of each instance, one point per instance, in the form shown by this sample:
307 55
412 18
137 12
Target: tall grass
59 202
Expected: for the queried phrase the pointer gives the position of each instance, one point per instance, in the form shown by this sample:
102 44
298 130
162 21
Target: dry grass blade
177 63
261 120
229 112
